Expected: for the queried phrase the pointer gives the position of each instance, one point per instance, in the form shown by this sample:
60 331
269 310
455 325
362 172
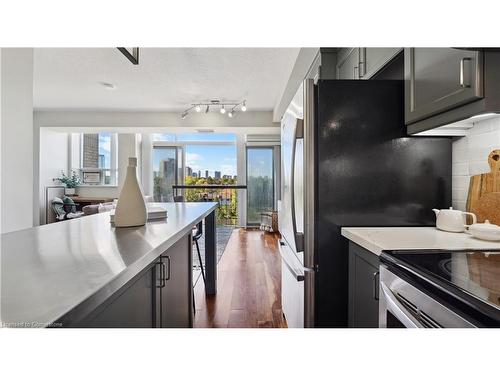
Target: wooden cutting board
484 192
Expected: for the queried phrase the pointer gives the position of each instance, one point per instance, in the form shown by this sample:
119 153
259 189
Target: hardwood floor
249 285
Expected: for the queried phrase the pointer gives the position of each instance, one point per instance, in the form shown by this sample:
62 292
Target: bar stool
197 234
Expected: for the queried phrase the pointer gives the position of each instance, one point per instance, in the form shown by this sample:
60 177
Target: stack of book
155 212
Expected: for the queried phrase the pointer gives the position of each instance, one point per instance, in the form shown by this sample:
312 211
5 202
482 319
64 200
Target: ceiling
166 79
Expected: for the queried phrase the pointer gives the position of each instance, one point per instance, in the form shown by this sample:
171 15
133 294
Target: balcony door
165 172
260 182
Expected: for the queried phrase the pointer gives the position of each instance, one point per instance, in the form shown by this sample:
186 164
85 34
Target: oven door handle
399 311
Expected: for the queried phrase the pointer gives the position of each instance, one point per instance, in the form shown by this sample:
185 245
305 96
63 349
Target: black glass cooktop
475 273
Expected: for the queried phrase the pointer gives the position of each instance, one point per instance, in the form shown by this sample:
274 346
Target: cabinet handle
163 281
375 285
168 273
162 274
462 69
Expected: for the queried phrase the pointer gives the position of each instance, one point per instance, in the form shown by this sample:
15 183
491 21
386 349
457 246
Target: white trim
192 143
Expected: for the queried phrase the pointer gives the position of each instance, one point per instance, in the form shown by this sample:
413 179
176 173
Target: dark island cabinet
132 307
363 287
158 297
175 295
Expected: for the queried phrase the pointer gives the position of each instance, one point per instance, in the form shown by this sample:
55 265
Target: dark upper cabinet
363 288
438 79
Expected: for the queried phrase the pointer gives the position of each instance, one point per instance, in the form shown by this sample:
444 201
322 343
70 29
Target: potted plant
70 181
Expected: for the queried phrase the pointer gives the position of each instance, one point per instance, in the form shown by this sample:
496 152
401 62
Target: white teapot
452 220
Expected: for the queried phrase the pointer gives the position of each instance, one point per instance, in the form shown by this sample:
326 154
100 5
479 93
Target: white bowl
485 231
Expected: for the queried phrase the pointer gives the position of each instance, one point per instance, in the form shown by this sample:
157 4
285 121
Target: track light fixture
231 110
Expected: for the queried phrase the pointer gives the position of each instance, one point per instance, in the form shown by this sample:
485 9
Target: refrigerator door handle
299 134
298 271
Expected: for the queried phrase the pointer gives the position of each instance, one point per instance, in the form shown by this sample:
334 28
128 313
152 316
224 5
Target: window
260 182
165 172
94 155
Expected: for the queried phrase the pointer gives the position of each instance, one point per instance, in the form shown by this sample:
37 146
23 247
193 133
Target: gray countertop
60 271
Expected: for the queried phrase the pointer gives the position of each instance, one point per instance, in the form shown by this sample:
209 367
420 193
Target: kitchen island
86 273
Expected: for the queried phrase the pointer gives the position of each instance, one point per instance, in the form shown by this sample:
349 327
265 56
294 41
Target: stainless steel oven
402 305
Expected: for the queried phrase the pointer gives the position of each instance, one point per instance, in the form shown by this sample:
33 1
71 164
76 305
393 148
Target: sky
203 157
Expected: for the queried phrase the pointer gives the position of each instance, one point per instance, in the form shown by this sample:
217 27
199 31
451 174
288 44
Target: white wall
150 120
470 154
17 139
53 158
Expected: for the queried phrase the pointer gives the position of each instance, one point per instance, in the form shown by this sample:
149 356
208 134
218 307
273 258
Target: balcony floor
249 285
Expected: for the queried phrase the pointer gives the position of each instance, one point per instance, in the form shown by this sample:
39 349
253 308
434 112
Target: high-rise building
206 174
189 171
101 161
217 174
167 168
199 174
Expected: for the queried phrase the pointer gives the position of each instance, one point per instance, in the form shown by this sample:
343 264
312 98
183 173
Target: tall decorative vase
131 209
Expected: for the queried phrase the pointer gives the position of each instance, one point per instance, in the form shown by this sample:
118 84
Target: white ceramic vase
131 209
69 191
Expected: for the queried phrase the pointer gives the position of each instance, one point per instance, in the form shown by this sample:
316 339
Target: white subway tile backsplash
470 155
459 205
459 194
483 140
478 167
460 169
460 182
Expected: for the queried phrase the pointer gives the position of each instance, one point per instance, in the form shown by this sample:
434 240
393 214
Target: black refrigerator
347 161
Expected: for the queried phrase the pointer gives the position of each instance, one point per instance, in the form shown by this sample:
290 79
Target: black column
210 254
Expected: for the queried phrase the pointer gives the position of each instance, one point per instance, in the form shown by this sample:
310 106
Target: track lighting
229 107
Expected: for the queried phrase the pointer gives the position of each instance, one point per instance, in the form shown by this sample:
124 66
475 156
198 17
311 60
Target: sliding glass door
165 172
260 182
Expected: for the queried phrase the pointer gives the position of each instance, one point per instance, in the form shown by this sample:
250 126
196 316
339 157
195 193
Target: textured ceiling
166 79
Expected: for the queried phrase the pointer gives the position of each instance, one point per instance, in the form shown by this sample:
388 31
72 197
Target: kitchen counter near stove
377 239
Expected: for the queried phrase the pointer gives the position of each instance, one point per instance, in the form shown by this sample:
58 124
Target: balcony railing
225 195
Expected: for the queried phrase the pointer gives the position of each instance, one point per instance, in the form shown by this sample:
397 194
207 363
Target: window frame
113 162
